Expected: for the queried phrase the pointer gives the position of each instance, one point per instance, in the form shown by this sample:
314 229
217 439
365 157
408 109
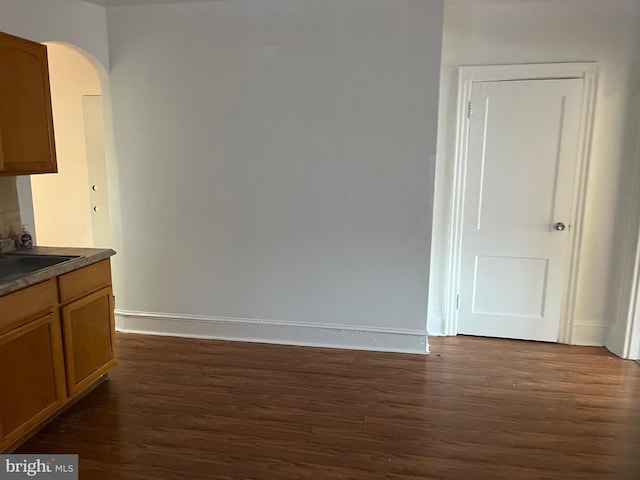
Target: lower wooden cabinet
57 339
89 331
32 376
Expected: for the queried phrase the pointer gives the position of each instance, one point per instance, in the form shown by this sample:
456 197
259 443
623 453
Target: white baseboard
270 331
436 324
589 335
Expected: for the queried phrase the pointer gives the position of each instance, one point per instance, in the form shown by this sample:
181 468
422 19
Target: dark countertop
86 256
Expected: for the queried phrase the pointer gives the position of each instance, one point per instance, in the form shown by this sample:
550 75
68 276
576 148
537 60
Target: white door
97 170
519 187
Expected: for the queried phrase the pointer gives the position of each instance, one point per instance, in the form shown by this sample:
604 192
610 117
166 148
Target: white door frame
625 339
631 345
467 76
634 339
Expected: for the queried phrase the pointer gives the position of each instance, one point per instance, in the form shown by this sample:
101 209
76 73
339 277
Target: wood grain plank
184 408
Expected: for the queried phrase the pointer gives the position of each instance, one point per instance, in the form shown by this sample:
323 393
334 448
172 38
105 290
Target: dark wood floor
474 409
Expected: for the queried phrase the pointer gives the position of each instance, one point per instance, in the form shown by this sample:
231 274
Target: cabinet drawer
84 281
26 304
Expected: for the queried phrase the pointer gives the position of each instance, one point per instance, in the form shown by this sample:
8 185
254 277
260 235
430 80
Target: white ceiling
114 3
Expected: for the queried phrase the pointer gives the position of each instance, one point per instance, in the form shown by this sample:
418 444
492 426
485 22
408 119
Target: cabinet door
32 383
89 339
26 121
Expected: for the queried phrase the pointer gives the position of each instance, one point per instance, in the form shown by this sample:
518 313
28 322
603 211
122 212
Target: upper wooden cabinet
26 121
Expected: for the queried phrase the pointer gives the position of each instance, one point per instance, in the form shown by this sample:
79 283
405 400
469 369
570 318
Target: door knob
561 227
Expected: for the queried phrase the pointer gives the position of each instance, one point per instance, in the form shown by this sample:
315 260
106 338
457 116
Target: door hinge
458 302
469 109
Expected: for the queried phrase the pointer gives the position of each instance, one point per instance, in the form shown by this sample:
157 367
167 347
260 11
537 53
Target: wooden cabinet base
57 341
89 330
32 385
25 438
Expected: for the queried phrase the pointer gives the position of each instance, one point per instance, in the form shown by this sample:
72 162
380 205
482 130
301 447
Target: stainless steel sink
15 266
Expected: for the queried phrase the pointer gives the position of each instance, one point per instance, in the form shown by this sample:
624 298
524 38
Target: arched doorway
71 208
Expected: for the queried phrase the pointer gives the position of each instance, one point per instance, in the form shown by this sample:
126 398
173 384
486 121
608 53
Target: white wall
496 32
78 23
276 162
62 206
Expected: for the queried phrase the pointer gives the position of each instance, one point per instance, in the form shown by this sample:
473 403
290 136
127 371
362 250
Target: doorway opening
71 208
